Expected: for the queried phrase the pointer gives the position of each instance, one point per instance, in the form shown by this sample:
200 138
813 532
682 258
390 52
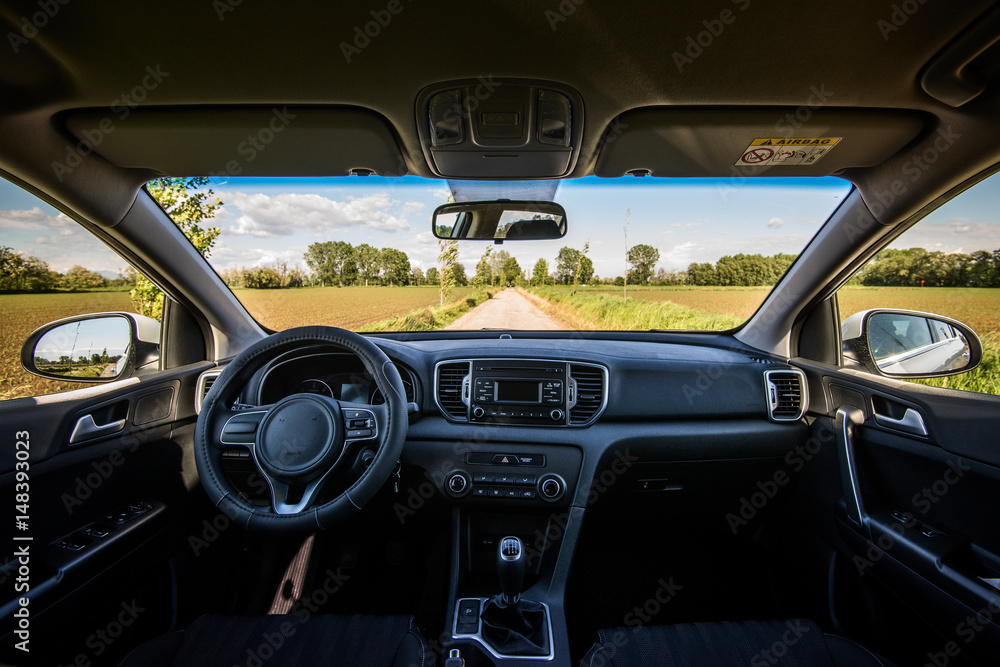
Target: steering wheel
299 442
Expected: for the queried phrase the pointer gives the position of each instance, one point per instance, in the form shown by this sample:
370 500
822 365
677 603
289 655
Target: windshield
640 253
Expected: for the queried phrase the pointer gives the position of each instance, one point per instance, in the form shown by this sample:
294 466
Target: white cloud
269 216
686 225
774 223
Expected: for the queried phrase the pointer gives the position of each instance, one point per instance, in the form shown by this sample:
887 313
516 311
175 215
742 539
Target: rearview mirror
499 221
92 348
908 344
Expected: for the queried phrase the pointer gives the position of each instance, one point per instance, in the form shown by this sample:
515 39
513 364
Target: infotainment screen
518 391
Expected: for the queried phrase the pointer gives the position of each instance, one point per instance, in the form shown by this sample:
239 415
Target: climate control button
551 487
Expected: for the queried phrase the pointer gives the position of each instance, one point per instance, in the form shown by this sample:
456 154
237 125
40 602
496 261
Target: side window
51 268
947 264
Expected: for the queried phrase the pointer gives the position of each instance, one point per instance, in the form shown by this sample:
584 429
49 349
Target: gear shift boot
511 625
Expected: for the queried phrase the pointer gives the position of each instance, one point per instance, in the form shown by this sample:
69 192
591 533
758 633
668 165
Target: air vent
787 398
590 393
448 389
205 382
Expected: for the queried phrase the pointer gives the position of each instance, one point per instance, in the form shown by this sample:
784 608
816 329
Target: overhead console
521 392
500 128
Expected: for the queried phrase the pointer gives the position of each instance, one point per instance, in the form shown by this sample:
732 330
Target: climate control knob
478 412
458 483
556 415
551 487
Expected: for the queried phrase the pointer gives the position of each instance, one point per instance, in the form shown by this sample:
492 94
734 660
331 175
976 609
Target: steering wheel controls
360 424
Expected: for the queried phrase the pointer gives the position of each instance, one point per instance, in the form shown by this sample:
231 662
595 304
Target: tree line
25 273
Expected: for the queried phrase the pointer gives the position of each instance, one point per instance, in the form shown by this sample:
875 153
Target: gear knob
510 567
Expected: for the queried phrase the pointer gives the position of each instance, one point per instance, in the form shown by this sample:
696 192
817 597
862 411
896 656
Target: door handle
848 419
911 422
86 428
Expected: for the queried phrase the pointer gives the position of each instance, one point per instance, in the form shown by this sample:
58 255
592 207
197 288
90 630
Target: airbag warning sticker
786 152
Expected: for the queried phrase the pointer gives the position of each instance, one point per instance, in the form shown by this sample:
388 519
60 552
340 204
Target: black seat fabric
795 643
286 640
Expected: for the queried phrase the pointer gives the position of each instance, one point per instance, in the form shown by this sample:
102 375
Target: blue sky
688 220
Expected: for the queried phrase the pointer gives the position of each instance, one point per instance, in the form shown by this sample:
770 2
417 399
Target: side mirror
92 348
500 220
909 344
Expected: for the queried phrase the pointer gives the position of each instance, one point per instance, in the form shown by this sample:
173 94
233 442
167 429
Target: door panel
96 533
927 471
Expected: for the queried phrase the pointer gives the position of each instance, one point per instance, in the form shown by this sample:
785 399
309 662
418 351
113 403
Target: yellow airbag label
786 151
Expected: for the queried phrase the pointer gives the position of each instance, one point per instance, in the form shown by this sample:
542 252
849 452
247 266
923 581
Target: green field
415 308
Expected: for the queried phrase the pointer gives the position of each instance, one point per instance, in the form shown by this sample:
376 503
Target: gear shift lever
511 626
510 567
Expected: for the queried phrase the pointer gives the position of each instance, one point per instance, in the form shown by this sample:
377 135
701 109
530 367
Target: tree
418 275
628 213
447 259
584 267
484 270
573 267
510 272
540 274
497 261
395 266
24 272
190 208
79 278
458 274
368 260
432 276
566 262
642 258
332 261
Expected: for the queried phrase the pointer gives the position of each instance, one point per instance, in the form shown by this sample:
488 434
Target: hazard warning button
506 460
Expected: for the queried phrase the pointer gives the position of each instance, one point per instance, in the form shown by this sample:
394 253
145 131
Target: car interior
773 494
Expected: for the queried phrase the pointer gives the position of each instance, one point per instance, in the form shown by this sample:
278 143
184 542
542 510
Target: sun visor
256 141
700 142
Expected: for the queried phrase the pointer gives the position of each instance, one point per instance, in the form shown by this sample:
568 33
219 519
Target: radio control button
478 412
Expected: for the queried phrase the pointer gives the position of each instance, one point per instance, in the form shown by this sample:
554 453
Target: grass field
415 308
374 308
347 307
715 308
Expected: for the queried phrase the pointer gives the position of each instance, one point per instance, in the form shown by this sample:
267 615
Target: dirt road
506 310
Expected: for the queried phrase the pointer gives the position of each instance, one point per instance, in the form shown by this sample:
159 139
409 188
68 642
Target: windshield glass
640 253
